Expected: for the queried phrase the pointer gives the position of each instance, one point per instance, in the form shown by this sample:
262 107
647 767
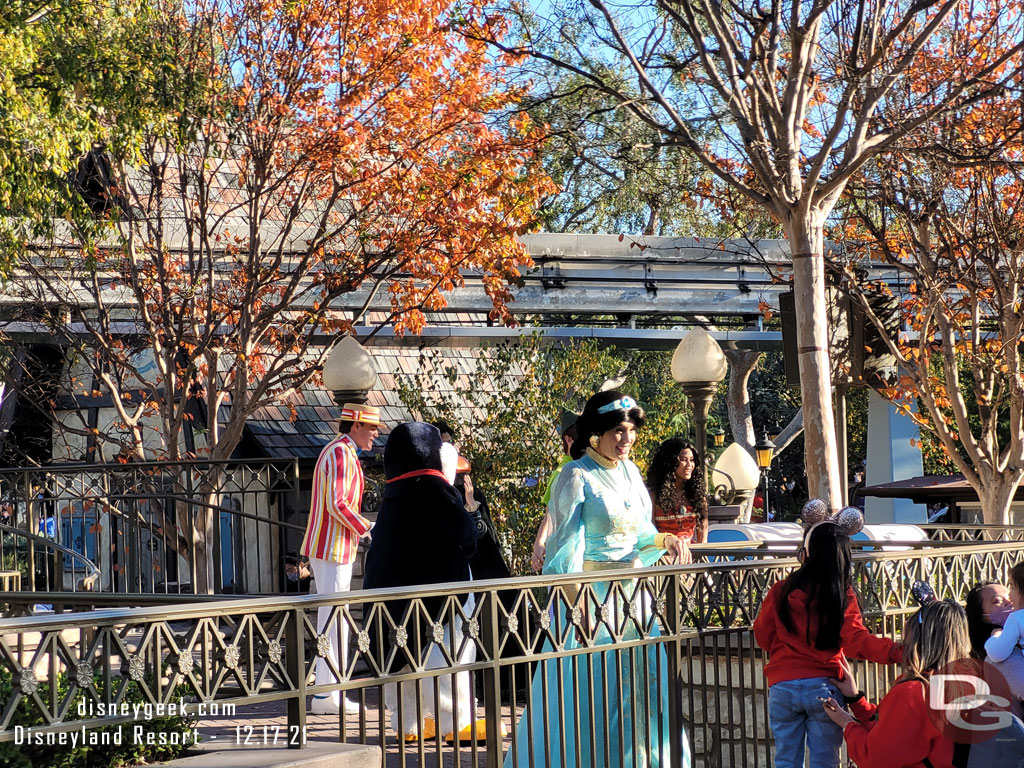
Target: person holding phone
808 624
902 731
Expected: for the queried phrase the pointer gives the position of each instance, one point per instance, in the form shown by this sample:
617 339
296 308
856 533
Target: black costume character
423 535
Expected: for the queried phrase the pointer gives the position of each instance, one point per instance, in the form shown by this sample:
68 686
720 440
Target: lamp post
349 372
698 364
736 475
764 452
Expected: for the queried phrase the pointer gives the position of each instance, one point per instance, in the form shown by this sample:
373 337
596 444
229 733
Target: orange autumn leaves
317 150
947 210
389 112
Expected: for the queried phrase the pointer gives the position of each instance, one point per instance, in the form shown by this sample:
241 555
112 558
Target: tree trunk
742 363
203 557
790 432
996 495
206 552
806 239
651 228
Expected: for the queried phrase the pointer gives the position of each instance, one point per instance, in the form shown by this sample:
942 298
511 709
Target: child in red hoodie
903 731
806 624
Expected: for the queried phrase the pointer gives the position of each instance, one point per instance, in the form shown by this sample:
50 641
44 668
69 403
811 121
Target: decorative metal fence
151 527
969 532
156 528
680 637
180 528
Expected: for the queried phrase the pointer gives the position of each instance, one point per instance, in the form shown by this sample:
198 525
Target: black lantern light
764 452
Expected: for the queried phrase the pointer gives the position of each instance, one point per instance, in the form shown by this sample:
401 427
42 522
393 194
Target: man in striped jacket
333 532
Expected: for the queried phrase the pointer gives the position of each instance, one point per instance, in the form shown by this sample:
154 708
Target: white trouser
455 702
331 577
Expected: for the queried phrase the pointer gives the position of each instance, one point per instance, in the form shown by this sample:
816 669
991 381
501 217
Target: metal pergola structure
633 291
634 287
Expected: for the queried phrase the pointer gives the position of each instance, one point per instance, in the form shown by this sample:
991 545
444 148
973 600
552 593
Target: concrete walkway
316 755
256 736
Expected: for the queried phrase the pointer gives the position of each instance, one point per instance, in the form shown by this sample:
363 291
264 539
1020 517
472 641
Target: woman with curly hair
677 491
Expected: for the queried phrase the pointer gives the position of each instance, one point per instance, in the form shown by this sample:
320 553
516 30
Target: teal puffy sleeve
566 544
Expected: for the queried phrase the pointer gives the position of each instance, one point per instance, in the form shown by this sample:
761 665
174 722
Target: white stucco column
891 457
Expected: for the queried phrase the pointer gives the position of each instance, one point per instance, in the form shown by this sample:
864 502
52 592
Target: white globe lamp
349 372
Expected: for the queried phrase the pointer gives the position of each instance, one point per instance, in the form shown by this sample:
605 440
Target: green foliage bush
130 752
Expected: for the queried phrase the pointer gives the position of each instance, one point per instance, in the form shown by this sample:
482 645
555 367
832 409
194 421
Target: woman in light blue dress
612 710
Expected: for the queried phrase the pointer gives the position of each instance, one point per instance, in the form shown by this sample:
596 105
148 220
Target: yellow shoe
429 730
480 726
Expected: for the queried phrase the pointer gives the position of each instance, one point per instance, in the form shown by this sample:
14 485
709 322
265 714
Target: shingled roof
316 414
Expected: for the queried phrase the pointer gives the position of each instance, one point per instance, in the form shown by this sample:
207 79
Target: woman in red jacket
903 731
806 624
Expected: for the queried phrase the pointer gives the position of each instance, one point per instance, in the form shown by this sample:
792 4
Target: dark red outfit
792 657
683 524
899 733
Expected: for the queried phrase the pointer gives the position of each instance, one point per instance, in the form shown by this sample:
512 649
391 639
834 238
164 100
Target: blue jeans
796 716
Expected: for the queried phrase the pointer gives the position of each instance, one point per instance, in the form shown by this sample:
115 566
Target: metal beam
462 335
587 275
622 338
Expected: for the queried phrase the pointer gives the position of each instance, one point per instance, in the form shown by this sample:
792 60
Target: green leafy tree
74 75
797 98
614 171
649 380
614 174
506 413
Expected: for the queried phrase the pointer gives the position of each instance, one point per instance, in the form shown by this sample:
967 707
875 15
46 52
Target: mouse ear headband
923 593
815 512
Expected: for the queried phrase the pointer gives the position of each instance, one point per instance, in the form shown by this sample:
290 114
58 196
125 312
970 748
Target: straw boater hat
361 413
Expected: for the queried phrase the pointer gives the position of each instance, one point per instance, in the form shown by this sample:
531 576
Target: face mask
292 576
998 616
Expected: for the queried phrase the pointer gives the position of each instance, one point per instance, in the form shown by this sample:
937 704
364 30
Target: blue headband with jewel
626 403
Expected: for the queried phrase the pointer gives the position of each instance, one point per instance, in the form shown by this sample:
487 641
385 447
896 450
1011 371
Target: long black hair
661 476
826 576
592 423
978 627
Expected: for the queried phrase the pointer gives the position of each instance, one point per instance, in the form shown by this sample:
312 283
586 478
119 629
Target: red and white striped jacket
335 525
